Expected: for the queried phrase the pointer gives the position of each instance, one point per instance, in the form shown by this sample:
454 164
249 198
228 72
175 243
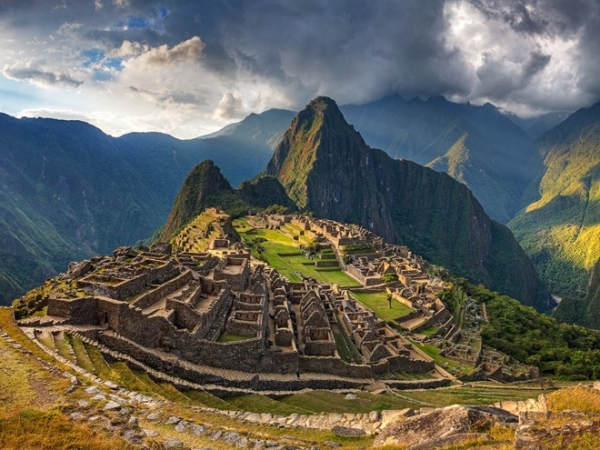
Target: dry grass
24 381
297 437
579 398
37 430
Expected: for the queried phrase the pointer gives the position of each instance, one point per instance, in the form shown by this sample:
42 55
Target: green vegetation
208 400
325 401
81 355
474 394
261 404
227 337
561 230
379 304
559 350
280 252
434 353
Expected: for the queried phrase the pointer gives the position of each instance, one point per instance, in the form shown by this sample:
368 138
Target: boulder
442 423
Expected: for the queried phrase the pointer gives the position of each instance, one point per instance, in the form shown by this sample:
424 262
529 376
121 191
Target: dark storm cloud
352 50
306 48
576 20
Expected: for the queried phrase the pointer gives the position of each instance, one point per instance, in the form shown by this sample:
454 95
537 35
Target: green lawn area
471 395
278 244
227 337
261 404
429 331
324 401
377 301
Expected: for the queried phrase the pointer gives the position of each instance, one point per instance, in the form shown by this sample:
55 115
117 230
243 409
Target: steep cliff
561 230
205 186
263 191
327 168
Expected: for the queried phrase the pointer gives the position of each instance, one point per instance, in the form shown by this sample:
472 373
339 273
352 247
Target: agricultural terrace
384 309
284 254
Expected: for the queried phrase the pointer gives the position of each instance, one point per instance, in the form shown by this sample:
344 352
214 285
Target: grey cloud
536 63
352 50
41 76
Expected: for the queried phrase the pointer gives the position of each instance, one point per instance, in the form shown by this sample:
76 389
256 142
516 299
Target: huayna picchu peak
328 169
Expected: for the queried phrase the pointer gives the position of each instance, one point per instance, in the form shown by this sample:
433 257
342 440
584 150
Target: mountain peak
203 183
319 131
327 168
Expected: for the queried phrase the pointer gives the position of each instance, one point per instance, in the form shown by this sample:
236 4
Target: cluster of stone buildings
219 309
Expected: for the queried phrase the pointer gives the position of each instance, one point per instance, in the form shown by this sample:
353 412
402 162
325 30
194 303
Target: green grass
170 392
429 331
325 401
377 301
100 365
129 379
47 340
277 244
165 390
81 355
434 353
63 346
227 337
471 395
261 404
209 400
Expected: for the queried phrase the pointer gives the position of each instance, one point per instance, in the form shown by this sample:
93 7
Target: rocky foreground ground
567 418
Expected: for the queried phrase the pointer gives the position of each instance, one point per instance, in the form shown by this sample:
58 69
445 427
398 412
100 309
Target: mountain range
68 191
561 229
58 211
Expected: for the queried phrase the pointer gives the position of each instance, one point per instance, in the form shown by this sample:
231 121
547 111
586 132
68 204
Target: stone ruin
180 313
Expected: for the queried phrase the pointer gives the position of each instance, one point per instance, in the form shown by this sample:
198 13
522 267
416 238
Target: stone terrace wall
79 311
334 366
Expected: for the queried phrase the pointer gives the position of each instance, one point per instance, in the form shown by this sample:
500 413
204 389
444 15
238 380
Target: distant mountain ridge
477 145
327 168
68 191
561 229
54 209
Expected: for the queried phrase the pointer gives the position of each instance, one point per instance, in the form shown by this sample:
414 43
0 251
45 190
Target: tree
389 278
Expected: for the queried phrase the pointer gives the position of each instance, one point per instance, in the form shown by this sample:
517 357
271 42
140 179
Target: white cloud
184 52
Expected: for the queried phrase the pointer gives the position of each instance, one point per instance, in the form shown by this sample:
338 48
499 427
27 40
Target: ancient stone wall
154 295
245 323
334 366
79 311
185 316
110 312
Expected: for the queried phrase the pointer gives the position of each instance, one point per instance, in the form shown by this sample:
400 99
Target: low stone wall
409 365
327 263
334 366
185 317
418 384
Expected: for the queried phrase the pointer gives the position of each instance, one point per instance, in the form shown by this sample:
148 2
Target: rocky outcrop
327 168
444 426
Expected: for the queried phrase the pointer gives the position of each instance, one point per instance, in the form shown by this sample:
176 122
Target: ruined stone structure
226 313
